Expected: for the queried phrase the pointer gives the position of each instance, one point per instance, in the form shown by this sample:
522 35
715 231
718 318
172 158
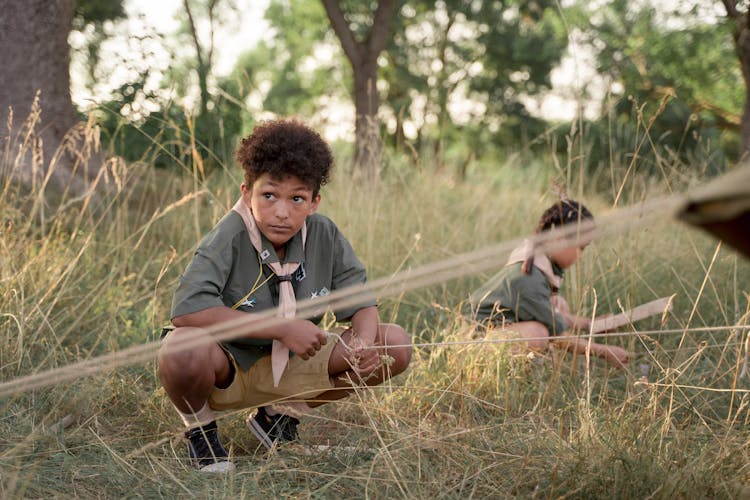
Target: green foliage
298 25
455 74
297 79
141 124
168 137
433 57
488 53
610 149
99 11
691 68
522 42
94 18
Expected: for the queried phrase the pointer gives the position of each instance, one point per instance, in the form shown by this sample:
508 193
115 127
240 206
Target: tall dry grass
80 277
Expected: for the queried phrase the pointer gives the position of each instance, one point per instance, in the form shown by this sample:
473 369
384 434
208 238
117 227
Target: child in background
523 297
270 250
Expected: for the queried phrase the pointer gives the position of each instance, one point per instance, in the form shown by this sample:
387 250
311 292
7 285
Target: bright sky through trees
123 55
147 17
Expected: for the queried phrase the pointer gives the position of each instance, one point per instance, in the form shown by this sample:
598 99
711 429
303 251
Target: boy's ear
246 192
314 204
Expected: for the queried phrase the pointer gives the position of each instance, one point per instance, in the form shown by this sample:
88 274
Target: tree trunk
363 57
203 62
367 143
741 35
743 48
442 85
35 60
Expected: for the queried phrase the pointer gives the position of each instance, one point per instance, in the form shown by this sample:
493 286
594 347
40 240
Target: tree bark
741 35
363 57
204 56
442 93
35 60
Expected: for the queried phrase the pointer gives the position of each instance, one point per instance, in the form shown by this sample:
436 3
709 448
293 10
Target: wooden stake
658 306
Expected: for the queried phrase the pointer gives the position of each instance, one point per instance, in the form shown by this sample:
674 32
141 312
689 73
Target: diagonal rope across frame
617 222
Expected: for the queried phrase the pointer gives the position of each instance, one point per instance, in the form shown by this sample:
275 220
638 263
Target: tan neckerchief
287 300
541 262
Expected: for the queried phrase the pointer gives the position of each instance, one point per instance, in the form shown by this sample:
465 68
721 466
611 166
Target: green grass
97 275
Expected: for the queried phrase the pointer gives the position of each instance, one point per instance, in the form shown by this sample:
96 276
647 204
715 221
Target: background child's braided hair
564 211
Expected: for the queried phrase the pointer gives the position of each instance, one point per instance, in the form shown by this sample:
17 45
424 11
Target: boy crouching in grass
523 297
270 250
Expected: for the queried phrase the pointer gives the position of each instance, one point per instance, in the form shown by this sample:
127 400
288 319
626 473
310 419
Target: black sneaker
205 450
273 430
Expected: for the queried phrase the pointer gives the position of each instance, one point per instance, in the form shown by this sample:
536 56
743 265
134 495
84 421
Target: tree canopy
449 79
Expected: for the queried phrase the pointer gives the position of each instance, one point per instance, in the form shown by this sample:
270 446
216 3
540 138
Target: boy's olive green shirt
225 267
512 296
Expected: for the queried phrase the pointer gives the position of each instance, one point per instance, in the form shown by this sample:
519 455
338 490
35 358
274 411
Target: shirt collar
559 271
295 251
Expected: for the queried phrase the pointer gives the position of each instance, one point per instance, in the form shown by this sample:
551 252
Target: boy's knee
538 336
172 358
538 345
398 346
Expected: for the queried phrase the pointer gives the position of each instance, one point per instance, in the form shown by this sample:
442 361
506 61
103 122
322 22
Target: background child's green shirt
225 267
512 296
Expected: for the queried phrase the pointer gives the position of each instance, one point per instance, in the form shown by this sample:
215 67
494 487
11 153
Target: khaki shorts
254 387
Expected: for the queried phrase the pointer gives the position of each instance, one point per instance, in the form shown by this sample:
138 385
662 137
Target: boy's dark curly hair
561 213
285 147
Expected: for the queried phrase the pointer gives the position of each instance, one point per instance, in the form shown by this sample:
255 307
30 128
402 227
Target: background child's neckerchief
287 300
530 257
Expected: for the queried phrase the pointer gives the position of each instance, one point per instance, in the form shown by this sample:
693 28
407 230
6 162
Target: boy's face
279 206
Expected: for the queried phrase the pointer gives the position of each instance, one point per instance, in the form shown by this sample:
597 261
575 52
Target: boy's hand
582 323
303 338
363 360
364 333
616 356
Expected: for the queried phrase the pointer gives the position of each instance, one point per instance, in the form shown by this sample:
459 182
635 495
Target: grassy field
81 277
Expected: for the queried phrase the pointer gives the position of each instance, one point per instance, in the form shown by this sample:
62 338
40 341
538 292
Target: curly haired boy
270 250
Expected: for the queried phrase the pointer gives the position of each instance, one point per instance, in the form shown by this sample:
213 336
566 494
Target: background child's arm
574 322
616 356
577 322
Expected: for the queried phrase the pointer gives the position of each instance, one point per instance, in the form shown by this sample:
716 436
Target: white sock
202 417
294 409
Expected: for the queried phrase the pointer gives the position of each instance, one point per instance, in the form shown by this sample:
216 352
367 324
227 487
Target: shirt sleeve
202 283
532 303
348 271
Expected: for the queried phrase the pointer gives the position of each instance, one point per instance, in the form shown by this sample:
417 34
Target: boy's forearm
365 324
614 355
578 345
214 316
576 322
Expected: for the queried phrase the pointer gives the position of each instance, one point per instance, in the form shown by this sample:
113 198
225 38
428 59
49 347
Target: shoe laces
284 427
204 443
